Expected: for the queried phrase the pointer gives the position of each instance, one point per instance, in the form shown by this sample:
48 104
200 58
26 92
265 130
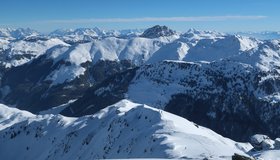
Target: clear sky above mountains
221 15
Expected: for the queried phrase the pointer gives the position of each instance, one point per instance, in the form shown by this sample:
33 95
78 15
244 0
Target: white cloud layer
154 19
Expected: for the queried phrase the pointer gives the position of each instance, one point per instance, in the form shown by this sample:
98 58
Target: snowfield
123 130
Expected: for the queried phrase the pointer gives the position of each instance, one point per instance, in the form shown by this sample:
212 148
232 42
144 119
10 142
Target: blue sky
221 15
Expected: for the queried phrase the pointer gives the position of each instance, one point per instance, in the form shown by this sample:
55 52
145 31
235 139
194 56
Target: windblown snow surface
123 130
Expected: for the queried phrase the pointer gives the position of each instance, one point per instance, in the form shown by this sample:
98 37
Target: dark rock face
240 157
35 39
158 31
263 142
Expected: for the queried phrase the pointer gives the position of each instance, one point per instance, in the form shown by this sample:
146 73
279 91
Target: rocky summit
158 31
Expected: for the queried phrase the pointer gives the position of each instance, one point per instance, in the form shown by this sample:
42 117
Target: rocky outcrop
158 31
263 142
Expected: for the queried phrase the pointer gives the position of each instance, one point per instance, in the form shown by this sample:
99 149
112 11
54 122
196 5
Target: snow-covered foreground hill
123 130
227 96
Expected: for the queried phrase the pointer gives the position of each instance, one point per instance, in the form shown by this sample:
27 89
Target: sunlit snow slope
123 130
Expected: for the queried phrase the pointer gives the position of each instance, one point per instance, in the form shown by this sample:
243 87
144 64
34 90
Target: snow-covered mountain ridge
231 97
153 45
123 130
19 33
265 35
164 45
225 80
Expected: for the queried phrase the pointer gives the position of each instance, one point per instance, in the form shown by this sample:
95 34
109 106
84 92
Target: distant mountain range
229 83
72 35
80 34
266 35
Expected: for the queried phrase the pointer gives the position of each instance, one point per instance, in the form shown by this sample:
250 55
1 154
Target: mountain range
228 83
265 35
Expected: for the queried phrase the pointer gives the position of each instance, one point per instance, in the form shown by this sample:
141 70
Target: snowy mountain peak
61 32
123 130
89 31
194 35
193 30
18 33
265 35
158 31
78 35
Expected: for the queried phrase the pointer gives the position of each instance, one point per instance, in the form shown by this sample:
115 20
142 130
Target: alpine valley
156 93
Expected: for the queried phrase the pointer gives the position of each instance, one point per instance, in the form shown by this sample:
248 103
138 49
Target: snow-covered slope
20 52
19 33
220 48
193 35
191 46
168 78
136 50
77 35
227 76
155 44
10 116
264 147
89 34
123 130
267 155
208 93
